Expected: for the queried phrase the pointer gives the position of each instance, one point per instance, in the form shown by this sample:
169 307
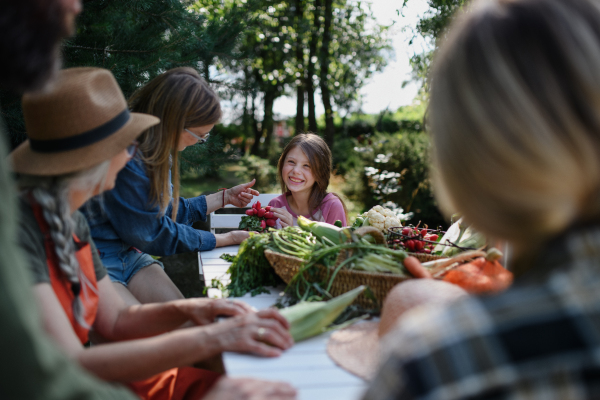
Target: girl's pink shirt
331 209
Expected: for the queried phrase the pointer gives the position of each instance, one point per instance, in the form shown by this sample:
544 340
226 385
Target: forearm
215 201
147 320
139 359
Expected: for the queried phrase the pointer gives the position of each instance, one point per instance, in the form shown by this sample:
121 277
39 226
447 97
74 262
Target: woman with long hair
81 134
144 214
514 118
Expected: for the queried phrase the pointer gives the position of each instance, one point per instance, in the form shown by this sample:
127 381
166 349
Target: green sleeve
32 367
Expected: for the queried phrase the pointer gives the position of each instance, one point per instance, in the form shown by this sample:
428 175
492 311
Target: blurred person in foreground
515 123
32 367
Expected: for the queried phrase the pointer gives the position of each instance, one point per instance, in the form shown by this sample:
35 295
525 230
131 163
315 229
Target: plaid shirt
538 340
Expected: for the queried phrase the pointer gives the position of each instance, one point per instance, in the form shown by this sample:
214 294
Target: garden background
256 51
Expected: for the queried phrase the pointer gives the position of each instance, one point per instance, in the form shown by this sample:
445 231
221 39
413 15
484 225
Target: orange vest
86 290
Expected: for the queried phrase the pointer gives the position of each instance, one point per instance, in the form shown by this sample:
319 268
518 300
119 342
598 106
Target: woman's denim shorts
122 261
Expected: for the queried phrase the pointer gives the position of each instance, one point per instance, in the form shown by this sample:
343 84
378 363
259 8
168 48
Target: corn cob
320 229
309 319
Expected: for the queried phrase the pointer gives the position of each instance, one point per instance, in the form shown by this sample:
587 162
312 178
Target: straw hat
357 349
78 121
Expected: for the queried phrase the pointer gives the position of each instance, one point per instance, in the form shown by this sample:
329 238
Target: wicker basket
287 266
424 257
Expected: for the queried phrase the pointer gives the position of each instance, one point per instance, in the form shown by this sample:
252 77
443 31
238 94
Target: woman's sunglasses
200 139
132 148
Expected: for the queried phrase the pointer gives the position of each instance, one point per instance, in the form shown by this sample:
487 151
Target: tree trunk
299 125
267 124
324 81
254 150
310 87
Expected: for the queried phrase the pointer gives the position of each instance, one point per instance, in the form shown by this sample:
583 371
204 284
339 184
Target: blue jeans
123 261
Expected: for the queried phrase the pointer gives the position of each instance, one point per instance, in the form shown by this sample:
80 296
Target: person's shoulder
278 201
135 166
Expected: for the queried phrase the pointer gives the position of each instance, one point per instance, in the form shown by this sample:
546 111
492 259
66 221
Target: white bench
232 221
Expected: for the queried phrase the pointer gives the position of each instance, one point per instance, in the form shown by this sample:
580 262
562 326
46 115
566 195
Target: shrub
396 169
253 167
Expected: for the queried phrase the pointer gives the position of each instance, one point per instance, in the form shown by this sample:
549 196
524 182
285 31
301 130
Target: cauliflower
382 218
376 219
390 222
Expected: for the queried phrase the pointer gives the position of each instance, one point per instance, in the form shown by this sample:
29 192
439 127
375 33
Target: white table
306 366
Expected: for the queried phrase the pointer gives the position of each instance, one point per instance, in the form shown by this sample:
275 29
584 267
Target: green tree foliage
431 28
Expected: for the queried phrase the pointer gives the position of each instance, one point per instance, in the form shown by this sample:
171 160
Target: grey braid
52 194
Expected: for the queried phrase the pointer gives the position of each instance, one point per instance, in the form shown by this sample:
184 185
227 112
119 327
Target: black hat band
83 139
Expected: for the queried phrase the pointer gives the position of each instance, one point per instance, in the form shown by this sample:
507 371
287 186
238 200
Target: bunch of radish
415 240
260 218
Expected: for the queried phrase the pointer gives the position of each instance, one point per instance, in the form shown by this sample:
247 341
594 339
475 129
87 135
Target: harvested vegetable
379 217
482 275
250 270
257 219
321 229
309 319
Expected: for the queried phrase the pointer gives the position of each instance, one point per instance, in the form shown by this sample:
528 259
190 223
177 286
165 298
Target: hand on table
205 311
250 389
285 218
264 333
241 195
231 238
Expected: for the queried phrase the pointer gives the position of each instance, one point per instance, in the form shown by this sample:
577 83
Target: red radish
269 214
258 207
268 208
428 251
261 212
433 238
250 212
419 245
263 224
406 231
423 232
410 245
271 222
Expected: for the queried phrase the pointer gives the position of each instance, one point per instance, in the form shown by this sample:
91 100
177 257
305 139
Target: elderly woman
515 125
81 135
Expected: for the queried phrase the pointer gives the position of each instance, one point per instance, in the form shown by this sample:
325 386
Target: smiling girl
304 170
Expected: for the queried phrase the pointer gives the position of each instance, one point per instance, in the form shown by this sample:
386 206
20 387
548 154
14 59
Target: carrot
415 268
480 276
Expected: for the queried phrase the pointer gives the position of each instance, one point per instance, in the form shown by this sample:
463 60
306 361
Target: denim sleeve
190 210
138 222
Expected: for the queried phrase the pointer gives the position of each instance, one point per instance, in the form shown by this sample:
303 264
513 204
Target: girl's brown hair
181 99
319 158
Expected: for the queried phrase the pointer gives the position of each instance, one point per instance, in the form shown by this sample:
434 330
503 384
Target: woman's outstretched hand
231 238
241 195
250 389
264 333
285 218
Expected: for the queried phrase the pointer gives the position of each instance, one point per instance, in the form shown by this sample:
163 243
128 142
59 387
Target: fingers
250 184
230 308
271 332
274 314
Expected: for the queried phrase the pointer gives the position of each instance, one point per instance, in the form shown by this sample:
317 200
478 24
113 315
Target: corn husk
308 319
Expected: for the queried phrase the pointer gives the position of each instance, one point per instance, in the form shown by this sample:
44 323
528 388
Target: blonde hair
319 158
515 116
181 99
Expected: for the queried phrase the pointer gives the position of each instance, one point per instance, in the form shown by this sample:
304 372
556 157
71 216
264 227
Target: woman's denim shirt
126 216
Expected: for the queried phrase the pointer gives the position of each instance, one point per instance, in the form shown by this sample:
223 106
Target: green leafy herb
250 223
